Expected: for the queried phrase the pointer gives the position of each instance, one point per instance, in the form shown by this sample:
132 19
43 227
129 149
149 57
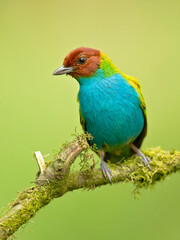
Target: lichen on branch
57 179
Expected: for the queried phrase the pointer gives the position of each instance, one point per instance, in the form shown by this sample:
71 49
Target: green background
39 111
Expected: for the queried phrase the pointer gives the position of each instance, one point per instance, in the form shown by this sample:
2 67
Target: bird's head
84 62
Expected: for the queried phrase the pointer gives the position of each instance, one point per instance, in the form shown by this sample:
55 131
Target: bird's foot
144 158
106 170
104 167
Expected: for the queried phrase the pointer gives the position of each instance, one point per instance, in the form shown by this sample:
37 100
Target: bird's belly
112 112
114 127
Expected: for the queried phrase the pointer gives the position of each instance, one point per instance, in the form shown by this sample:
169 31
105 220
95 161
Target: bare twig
40 161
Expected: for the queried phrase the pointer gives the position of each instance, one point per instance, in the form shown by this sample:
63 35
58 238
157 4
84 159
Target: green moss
55 184
163 163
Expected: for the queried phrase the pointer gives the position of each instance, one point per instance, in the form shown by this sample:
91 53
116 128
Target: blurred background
39 111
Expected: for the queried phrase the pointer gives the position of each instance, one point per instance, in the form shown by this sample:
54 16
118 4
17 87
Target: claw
105 169
144 159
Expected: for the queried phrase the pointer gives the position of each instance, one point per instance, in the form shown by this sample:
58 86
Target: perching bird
112 108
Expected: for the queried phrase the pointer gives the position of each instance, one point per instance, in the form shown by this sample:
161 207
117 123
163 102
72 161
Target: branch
55 179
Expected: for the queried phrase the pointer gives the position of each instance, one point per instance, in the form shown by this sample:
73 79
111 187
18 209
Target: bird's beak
63 70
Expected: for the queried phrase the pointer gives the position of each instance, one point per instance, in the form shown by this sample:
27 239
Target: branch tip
40 161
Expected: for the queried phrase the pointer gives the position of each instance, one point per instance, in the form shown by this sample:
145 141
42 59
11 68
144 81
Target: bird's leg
144 159
105 169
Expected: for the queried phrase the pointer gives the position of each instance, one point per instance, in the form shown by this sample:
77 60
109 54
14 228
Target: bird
111 106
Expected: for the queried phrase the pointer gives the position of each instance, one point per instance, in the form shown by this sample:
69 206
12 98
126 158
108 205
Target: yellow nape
107 66
109 69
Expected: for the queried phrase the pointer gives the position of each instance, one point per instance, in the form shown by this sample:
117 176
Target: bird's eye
82 60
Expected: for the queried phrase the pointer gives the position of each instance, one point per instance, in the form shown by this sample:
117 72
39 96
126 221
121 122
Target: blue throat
111 109
98 75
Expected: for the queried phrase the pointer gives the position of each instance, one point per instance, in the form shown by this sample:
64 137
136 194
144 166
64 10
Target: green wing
82 120
135 84
83 124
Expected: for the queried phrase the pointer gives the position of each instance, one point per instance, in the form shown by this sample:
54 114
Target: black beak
63 70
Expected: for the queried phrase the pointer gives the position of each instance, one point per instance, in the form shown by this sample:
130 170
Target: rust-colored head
80 62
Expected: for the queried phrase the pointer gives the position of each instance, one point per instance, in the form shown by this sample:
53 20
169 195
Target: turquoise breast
111 109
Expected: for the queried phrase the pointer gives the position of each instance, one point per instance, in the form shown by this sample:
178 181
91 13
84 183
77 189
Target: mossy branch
56 179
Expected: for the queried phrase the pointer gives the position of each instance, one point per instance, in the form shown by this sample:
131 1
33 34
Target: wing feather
135 84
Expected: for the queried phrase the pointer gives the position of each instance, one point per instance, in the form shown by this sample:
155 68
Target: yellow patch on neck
107 66
110 69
